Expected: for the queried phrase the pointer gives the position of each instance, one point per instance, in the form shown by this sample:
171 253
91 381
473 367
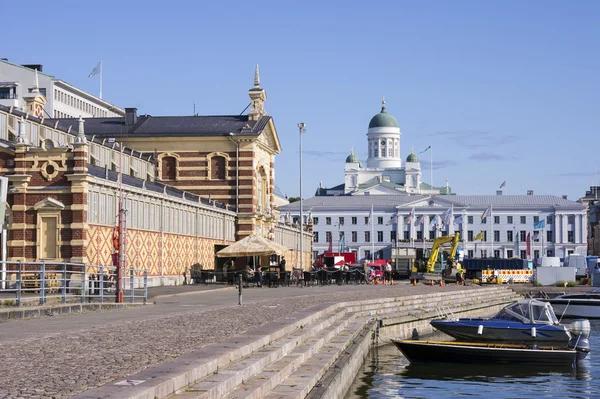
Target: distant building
346 221
61 100
384 172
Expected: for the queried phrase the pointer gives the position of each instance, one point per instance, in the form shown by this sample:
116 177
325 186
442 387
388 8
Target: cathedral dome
412 157
383 119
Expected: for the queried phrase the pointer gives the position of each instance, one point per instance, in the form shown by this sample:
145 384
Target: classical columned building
415 221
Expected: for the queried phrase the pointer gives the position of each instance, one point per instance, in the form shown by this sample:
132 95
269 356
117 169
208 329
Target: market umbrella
252 245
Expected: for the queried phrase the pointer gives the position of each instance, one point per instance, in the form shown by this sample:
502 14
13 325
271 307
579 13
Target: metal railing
63 282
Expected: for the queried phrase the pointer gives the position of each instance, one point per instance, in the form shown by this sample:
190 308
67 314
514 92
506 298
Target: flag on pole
96 70
410 217
342 243
540 225
420 221
446 216
433 220
528 243
485 214
536 235
503 184
330 249
428 148
458 219
479 236
516 238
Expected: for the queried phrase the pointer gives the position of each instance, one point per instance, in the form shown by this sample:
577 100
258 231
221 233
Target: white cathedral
384 173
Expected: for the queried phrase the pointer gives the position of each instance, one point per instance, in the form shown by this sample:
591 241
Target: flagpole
100 79
431 165
491 231
372 235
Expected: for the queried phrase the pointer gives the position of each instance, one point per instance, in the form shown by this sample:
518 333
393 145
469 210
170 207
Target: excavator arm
435 250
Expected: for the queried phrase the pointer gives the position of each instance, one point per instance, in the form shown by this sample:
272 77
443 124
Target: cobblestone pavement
61 364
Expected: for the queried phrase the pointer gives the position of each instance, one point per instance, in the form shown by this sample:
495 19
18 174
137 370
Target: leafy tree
294 199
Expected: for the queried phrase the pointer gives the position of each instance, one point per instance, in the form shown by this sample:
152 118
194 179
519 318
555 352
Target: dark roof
161 126
157 187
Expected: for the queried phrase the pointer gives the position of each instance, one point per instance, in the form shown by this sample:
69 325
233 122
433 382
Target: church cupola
383 139
258 96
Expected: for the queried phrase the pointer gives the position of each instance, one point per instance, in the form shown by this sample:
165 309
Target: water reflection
387 374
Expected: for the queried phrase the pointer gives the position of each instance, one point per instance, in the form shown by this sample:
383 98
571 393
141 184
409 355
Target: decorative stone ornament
49 170
80 139
21 138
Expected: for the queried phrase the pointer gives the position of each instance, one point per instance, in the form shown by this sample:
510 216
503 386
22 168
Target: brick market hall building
191 185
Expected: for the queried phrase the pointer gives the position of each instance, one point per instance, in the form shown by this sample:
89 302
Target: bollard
64 283
240 289
43 284
101 271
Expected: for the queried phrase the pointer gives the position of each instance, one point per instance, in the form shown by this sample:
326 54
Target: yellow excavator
428 271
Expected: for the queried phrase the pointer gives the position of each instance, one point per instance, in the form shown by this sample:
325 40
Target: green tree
294 199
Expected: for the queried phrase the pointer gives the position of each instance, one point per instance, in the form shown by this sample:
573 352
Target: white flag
458 219
96 70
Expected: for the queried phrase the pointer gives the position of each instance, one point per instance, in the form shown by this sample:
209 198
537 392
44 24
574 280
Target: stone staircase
301 355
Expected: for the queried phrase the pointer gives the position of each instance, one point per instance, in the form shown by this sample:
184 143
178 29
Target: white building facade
415 221
18 82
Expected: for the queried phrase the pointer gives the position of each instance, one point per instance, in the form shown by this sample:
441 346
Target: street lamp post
301 130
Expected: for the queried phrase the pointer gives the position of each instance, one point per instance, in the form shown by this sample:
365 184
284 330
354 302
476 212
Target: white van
579 262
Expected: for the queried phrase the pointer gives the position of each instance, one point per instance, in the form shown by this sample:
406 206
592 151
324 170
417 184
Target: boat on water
498 353
585 304
524 321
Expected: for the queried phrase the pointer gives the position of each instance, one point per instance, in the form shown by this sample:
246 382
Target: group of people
256 275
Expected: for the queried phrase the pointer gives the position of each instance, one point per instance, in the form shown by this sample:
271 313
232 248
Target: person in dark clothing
282 269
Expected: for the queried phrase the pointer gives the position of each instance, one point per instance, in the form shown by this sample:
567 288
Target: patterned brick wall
170 255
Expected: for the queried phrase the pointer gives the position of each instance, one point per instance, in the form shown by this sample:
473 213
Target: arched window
217 168
169 168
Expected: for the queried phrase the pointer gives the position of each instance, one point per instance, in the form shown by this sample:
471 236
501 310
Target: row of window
419 236
470 220
353 220
378 148
79 104
103 208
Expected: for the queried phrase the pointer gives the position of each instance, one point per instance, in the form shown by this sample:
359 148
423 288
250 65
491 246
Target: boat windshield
528 311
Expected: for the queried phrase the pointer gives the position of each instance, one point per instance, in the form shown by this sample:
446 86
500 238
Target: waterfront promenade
59 356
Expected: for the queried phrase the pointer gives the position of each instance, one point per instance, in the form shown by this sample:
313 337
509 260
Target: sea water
387 374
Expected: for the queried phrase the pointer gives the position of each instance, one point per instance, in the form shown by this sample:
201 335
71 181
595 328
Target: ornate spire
256 78
36 83
21 138
383 103
80 139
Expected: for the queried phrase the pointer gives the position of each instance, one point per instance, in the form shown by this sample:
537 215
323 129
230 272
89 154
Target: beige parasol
251 245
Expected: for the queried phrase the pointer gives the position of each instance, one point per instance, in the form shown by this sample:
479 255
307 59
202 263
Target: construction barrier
508 276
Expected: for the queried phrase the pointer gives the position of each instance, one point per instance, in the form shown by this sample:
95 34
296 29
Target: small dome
412 157
383 119
352 158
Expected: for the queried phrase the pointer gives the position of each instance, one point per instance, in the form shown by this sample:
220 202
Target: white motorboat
579 305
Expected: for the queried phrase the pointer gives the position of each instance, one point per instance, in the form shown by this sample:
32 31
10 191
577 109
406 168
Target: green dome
412 157
352 158
383 119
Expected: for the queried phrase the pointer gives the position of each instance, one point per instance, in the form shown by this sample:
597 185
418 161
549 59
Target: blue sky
501 90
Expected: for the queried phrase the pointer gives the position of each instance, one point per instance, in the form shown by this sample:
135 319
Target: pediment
380 189
269 138
49 204
429 202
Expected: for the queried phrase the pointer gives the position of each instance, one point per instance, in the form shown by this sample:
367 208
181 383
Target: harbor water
387 374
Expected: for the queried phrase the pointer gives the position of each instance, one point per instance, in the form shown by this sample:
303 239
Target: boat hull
453 352
576 308
486 330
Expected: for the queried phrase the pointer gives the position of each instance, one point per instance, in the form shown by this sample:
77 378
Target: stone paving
61 364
